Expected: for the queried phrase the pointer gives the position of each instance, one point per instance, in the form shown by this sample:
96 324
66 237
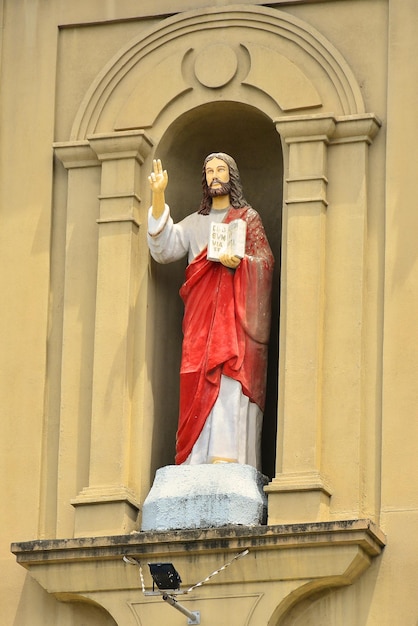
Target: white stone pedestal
205 496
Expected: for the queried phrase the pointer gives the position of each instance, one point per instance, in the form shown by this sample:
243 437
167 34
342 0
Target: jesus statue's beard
223 190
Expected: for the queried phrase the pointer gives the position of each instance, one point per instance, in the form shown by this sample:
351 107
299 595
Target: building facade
315 100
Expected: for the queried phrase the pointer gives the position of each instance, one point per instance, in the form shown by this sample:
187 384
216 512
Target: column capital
328 128
351 128
131 144
303 128
74 154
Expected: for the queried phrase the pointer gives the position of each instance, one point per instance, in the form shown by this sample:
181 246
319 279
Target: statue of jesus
226 322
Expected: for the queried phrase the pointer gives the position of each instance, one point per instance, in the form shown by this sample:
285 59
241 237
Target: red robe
226 329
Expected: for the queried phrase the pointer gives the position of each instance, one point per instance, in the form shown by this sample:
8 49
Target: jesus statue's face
217 177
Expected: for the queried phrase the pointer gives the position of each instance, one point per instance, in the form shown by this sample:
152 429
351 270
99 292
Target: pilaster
108 505
298 490
301 489
80 273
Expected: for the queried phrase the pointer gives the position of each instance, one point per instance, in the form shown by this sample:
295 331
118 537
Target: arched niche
215 127
257 69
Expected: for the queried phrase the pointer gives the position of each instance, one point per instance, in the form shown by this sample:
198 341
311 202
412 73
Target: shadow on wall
35 604
336 606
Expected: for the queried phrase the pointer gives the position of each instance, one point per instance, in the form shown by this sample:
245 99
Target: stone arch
168 65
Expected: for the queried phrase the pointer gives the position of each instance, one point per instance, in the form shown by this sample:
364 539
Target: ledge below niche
285 564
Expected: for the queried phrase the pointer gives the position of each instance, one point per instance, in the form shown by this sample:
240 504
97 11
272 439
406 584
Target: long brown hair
236 194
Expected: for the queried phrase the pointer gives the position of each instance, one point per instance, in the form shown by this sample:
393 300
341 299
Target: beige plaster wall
45 72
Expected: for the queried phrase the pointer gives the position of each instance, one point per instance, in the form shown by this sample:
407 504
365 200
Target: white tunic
232 431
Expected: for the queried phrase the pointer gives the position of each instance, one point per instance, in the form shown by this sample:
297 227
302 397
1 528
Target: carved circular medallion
216 65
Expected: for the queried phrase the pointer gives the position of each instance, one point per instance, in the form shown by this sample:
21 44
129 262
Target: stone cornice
350 543
328 128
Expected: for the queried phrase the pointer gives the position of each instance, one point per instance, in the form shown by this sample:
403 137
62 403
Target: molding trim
302 559
287 28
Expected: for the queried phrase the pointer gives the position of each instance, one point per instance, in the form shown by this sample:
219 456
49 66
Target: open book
227 239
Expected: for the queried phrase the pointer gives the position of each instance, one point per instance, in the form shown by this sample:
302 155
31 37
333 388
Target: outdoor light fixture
167 579
164 575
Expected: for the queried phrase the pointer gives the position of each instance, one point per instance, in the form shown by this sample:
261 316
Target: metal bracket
196 619
193 616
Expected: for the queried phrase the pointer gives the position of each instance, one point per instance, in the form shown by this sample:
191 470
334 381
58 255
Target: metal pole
193 617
